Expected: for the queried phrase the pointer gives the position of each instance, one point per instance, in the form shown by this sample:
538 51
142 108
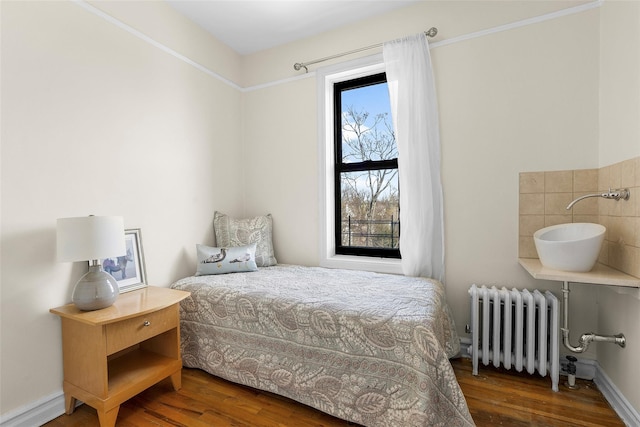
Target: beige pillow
240 232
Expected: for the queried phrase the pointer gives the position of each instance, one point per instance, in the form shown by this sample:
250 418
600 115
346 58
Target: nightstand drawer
132 331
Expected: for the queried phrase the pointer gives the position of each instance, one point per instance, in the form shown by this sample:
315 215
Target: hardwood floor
495 398
506 398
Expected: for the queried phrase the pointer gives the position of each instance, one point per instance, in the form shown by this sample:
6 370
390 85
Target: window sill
378 265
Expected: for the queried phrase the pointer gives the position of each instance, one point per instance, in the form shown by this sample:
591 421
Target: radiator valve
571 370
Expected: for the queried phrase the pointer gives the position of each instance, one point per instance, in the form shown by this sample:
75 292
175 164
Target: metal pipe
620 193
587 338
431 32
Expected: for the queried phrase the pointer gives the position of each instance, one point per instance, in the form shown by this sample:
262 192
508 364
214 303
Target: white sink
569 247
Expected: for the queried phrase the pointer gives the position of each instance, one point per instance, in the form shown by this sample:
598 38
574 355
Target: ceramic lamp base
95 290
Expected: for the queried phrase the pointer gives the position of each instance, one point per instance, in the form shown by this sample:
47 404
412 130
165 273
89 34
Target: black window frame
340 167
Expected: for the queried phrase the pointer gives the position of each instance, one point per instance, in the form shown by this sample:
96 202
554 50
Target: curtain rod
431 32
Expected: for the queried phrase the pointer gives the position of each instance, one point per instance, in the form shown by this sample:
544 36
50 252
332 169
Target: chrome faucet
617 194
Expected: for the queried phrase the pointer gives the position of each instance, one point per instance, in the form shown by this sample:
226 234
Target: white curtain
415 117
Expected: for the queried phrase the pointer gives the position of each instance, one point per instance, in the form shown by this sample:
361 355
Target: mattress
370 348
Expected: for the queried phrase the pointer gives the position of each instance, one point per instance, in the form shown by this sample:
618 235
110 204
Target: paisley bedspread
365 347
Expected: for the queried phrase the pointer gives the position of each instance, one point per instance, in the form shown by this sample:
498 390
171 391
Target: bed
369 348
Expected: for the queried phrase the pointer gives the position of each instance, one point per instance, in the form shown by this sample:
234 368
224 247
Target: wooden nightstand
110 355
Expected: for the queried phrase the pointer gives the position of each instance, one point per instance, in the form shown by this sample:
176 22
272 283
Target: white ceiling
249 26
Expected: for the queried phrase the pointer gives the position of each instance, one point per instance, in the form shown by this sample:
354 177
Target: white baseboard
36 413
589 370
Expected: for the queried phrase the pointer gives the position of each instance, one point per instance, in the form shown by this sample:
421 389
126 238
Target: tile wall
544 197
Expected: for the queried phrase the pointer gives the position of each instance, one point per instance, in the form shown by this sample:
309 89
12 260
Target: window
327 79
366 193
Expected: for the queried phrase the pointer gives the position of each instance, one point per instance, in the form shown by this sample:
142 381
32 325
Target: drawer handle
147 323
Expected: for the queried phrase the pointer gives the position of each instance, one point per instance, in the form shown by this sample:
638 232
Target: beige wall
619 309
281 166
97 121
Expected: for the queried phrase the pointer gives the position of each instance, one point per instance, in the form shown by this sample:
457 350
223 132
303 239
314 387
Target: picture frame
128 270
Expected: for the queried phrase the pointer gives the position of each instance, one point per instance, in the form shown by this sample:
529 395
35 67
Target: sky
374 99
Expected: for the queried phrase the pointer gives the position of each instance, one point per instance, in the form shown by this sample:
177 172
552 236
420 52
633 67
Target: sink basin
569 247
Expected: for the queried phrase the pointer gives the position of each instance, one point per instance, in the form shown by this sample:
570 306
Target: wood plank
500 397
495 397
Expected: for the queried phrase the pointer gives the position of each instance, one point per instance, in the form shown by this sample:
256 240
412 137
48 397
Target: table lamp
92 238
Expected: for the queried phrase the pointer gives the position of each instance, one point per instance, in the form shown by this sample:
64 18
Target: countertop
599 275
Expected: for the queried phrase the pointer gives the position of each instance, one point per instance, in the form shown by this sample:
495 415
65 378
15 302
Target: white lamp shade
90 238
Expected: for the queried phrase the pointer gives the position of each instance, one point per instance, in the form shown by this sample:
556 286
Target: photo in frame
128 270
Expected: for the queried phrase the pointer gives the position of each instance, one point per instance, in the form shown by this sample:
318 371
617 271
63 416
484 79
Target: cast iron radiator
516 329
